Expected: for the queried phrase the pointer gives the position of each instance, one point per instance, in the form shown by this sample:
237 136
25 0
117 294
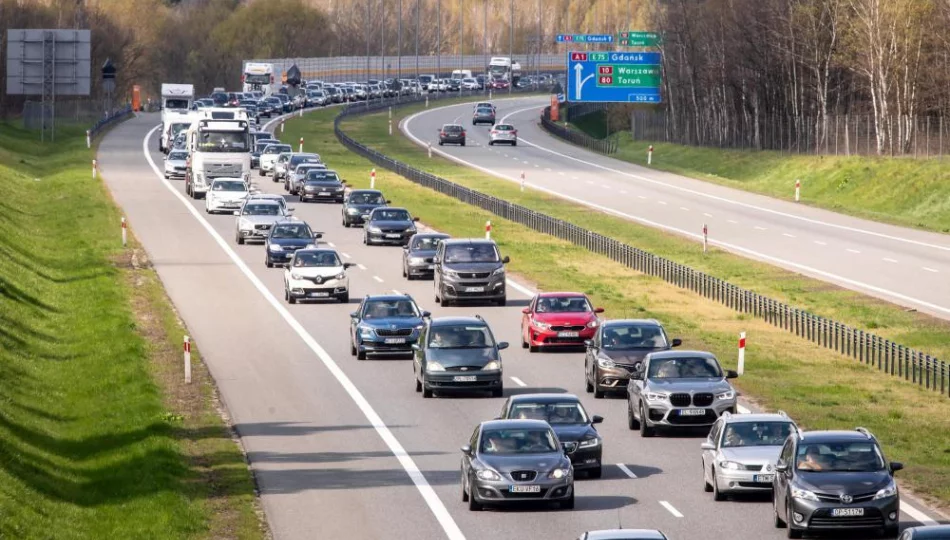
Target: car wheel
464 490
360 355
404 273
440 143
502 301
645 429
418 383
588 386
443 301
595 473
239 239
352 349
346 223
291 299
707 487
632 422
598 393
491 143
717 495
344 298
777 520
300 198
524 344
473 505
514 143
569 503
426 392
463 143
498 392
792 533
267 262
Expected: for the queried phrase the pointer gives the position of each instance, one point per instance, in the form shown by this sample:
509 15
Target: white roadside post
741 366
281 127
301 145
430 150
650 155
95 169
427 99
390 126
372 179
88 140
798 190
187 360
390 112
522 180
488 230
705 238
125 234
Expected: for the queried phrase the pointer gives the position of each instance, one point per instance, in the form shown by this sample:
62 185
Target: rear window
505 127
452 129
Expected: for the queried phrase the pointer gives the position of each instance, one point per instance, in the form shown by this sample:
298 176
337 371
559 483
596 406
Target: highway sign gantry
611 77
585 38
638 39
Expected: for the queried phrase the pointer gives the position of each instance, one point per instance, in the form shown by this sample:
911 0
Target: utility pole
367 29
485 35
417 39
438 59
399 48
511 48
540 37
382 49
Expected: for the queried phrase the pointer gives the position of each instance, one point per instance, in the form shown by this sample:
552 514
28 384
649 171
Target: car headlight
246 224
498 271
341 275
605 362
559 473
416 260
449 273
728 394
488 474
804 494
376 230
295 276
434 366
367 332
730 465
540 325
353 211
494 365
590 443
593 324
656 396
275 247
889 491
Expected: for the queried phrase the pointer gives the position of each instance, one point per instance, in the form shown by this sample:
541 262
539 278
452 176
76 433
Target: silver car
256 217
175 164
740 453
503 133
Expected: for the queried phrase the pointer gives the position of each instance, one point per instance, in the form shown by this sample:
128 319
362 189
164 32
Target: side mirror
502 345
318 235
506 260
526 310
348 265
467 450
415 347
896 466
706 445
636 376
598 310
781 467
730 374
290 209
677 342
237 213
596 419
365 217
426 314
405 247
415 219
588 343
354 315
388 201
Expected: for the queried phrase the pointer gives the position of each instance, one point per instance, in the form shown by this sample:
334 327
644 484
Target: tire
598 393
473 505
498 392
524 344
596 473
346 223
707 487
464 491
440 143
360 355
632 423
514 143
491 143
790 532
502 301
352 349
418 384
532 348
291 299
426 392
239 239
300 198
463 143
344 298
777 520
645 429
267 262
444 302
717 495
569 503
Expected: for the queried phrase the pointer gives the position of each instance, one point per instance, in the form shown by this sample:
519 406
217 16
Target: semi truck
259 77
219 146
503 67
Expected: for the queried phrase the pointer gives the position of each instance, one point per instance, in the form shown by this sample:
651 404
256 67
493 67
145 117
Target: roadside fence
602 146
109 119
887 356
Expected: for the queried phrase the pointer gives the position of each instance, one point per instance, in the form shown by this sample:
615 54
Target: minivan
469 269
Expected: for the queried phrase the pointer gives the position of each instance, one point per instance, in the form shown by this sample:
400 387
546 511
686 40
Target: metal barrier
108 120
602 146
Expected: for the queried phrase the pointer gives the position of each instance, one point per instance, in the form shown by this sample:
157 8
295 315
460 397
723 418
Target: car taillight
442 133
515 132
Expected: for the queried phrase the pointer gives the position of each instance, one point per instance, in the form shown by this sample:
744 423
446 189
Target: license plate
320 294
763 478
847 512
524 489
323 194
393 236
474 289
431 267
692 412
394 340
568 334
464 378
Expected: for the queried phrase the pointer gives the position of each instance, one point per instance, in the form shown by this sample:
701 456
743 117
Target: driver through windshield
292 231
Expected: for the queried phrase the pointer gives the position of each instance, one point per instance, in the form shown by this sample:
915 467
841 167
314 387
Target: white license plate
320 294
474 289
464 378
393 236
431 267
524 489
847 512
692 412
394 340
568 334
323 194
763 478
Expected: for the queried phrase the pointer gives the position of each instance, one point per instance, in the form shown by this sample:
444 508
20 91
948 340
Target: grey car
418 253
452 133
617 349
483 115
387 225
256 217
515 461
623 534
469 269
176 163
678 389
296 179
457 354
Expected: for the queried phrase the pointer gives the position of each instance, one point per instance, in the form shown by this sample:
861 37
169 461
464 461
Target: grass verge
99 436
903 191
816 386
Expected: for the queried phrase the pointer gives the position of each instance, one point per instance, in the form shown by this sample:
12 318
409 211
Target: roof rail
479 317
801 434
726 414
782 413
865 431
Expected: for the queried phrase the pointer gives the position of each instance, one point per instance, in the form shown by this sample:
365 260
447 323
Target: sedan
256 217
389 226
269 156
294 181
515 461
617 350
285 238
418 253
321 185
503 133
176 164
385 325
452 133
316 274
558 320
225 194
359 203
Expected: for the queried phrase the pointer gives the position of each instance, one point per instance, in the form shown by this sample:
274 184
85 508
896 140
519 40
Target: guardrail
602 146
106 121
889 357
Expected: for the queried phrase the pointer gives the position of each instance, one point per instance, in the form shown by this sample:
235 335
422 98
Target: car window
452 129
322 175
564 412
460 337
384 309
178 156
316 259
738 434
464 253
518 441
228 185
504 127
277 149
684 368
390 215
715 431
563 304
857 456
366 198
261 210
426 243
633 336
292 231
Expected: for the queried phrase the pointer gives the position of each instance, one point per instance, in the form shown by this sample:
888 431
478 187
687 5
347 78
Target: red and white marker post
187 350
372 179
650 155
798 190
88 140
741 366
125 234
705 238
522 180
95 169
301 145
488 230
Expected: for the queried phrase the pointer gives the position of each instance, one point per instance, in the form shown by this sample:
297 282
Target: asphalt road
347 449
904 266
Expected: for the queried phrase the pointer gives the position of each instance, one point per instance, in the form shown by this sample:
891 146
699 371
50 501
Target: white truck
502 67
176 100
172 125
462 74
219 146
259 77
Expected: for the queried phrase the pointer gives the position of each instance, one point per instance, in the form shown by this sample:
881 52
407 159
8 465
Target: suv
483 115
835 480
469 269
678 389
741 451
457 354
385 325
617 349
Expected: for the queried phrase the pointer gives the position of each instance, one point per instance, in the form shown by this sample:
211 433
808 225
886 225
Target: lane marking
641 197
520 288
625 470
605 186
591 182
347 255
732 221
886 259
789 235
518 381
742 409
432 500
396 291
759 228
930 269
707 215
360 266
561 173
852 250
820 243
669 507
331 244
622 192
662 202
547 169
683 208
378 279
918 516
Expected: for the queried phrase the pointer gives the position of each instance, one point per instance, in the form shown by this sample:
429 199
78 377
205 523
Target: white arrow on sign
578 68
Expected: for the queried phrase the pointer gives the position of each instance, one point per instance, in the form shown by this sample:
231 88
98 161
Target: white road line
732 221
520 288
547 169
347 255
561 173
885 259
742 410
625 470
536 166
428 494
919 516
575 178
360 266
591 182
331 244
622 192
605 186
759 228
378 279
669 507
852 251
518 381
683 208
396 291
789 235
820 243
662 202
930 269
707 215
641 197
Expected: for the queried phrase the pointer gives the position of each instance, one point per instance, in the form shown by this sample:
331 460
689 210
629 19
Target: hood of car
627 357
423 253
316 271
573 432
229 195
317 184
566 319
399 225
365 207
393 323
542 463
752 455
462 357
474 267
176 162
689 385
852 483
300 242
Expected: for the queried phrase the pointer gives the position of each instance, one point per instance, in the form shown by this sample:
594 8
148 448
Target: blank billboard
67 51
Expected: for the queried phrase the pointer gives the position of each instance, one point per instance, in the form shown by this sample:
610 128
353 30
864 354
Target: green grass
903 191
97 440
816 386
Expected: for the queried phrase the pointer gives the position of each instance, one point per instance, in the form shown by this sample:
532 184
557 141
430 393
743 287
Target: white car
225 195
175 164
469 84
316 273
269 156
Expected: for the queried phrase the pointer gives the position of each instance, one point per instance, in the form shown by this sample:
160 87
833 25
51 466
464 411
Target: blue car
285 238
385 325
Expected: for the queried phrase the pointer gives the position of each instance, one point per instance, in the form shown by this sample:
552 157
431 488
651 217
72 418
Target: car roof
461 241
544 398
515 424
375 191
388 208
388 297
267 196
756 417
455 321
452 125
831 436
625 534
431 235
257 200
625 322
316 249
682 354
561 294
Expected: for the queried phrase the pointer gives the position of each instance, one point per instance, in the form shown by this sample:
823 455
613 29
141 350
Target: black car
457 354
483 115
469 269
835 481
452 133
453 85
388 226
616 351
295 181
285 238
273 105
359 203
220 99
321 186
418 253
385 325
574 427
287 106
515 461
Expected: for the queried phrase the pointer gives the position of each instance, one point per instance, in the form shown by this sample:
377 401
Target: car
483 115
385 325
388 225
286 105
176 163
270 197
272 106
225 195
515 461
927 532
285 238
256 217
483 104
453 85
294 181
503 133
617 349
740 453
457 354
500 84
269 157
469 269
835 481
359 203
470 84
623 534
678 389
315 273
333 94
452 133
573 426
418 253
259 147
321 185
558 319
286 163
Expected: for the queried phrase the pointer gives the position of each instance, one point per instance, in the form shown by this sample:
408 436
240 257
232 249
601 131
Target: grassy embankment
816 386
903 191
99 435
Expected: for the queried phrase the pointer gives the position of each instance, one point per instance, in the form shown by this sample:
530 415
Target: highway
905 266
347 449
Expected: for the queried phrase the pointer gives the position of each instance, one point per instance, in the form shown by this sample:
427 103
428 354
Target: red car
500 84
558 319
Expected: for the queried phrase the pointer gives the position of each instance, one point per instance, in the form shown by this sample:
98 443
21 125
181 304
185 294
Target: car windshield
485 110
385 309
471 253
176 103
426 243
684 368
261 210
391 215
316 258
564 412
223 141
302 170
178 156
322 175
228 185
292 231
518 441
857 456
563 304
366 198
621 337
738 434
460 337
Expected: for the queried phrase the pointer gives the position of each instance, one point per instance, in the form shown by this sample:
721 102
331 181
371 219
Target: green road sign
638 39
628 76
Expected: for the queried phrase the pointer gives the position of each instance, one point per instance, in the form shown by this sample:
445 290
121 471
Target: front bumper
267 165
816 516
259 232
421 269
463 289
301 288
398 238
216 205
321 195
176 173
587 458
731 481
488 491
452 140
571 337
503 139
385 345
446 381
610 379
663 414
